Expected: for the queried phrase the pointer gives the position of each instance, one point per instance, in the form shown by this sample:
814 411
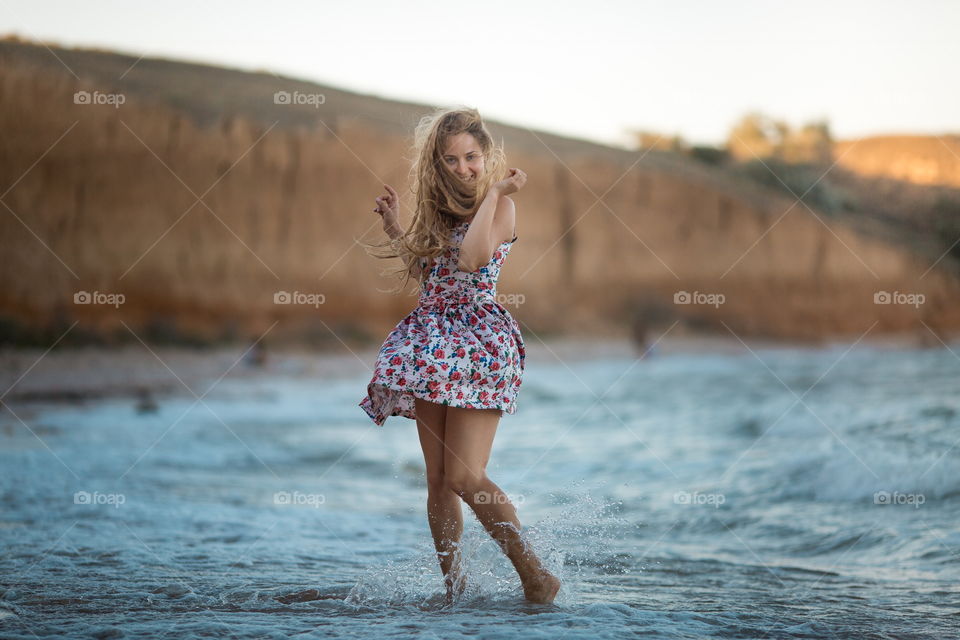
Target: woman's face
463 157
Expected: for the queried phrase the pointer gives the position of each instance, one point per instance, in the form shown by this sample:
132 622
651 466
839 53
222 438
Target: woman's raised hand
388 207
512 183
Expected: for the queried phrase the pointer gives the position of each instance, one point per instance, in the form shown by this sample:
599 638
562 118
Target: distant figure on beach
455 363
145 402
638 333
257 356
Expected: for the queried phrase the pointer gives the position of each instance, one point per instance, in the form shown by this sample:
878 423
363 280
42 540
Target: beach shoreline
88 373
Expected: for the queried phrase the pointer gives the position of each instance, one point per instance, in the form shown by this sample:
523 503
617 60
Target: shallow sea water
781 493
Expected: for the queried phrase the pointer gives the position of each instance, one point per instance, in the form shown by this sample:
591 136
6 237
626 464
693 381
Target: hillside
105 198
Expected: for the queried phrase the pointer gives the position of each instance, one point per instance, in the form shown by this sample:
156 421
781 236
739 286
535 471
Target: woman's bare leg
468 440
443 505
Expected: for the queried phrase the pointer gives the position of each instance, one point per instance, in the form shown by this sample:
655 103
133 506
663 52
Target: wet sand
76 375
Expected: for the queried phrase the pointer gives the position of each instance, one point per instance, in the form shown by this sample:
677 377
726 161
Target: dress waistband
442 302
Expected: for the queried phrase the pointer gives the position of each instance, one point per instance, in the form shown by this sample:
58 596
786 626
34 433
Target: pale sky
587 69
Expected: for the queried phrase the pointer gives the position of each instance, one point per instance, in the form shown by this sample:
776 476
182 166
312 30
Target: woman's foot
455 585
542 589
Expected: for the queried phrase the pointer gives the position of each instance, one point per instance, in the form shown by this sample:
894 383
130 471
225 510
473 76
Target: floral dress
459 347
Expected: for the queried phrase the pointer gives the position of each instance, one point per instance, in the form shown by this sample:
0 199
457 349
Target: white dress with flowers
459 347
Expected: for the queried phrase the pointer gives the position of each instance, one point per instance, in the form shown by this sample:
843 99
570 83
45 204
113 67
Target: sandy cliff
199 198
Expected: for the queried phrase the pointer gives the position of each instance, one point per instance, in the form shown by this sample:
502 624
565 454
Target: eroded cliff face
200 208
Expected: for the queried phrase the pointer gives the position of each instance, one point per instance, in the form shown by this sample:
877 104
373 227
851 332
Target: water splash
586 525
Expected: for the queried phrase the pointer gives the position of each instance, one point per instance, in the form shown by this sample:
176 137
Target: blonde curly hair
442 199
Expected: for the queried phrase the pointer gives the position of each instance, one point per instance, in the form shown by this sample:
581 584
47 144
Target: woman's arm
495 218
395 232
388 207
415 269
478 245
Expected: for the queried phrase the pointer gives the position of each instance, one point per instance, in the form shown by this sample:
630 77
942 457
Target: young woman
455 363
